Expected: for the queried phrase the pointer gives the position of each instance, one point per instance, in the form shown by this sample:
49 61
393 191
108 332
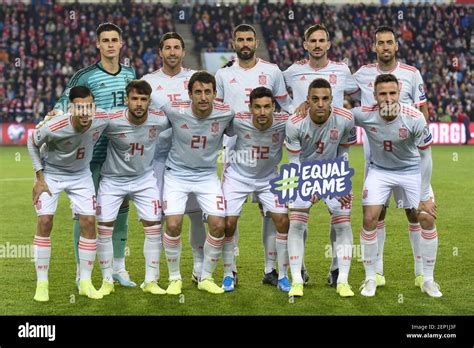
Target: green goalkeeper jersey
109 94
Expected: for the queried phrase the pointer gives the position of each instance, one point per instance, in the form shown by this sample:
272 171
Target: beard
245 55
389 111
386 60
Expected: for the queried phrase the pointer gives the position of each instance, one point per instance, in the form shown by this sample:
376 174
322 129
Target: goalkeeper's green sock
119 239
77 234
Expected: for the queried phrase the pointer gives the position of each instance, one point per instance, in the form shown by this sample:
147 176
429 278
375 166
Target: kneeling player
319 135
69 139
198 128
396 132
251 165
128 172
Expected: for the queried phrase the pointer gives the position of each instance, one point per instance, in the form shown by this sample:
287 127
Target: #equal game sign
324 178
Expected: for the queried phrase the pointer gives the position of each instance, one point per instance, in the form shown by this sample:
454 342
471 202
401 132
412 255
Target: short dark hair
203 77
243 28
385 78
313 28
79 92
171 35
261 92
319 83
139 86
384 29
107 26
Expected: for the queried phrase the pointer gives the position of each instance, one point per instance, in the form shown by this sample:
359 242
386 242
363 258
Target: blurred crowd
436 39
42 46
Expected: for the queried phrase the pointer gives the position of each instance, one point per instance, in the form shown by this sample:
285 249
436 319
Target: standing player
398 137
256 155
198 129
299 76
319 135
411 92
107 80
128 171
169 84
69 141
234 84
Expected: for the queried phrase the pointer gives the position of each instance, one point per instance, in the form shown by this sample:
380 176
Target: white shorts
208 193
192 205
80 190
335 207
379 184
400 198
236 192
229 142
142 191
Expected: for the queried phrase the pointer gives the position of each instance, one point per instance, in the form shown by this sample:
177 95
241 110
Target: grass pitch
453 186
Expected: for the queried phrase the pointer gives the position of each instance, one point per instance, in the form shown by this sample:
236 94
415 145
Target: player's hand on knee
40 187
345 200
428 207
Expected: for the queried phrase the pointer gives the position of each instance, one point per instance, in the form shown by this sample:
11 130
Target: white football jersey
165 89
235 83
131 147
394 145
320 141
196 141
68 151
409 78
257 153
300 75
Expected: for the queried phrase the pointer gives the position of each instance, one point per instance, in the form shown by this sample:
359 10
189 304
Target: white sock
197 238
298 224
42 255
381 242
341 224
228 256
87 254
305 236
429 247
236 248
415 236
173 255
369 245
212 251
119 264
269 243
151 251
105 251
332 237
282 253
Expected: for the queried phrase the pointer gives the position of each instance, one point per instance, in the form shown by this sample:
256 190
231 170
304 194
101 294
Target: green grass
453 185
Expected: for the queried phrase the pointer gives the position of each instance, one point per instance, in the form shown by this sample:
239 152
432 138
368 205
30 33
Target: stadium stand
45 45
42 46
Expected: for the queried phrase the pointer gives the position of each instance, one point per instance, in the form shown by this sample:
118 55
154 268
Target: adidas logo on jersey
303 78
184 126
247 136
233 80
373 129
159 88
122 135
370 85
